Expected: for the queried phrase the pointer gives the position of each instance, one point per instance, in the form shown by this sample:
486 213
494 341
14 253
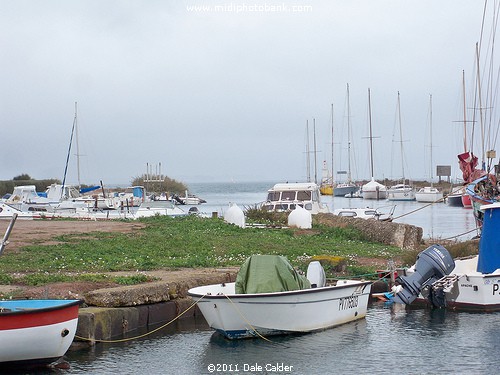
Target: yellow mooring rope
147 333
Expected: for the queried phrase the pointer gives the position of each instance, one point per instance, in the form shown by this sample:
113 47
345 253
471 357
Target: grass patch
190 241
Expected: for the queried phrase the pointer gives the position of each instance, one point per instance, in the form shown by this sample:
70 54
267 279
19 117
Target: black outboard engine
432 264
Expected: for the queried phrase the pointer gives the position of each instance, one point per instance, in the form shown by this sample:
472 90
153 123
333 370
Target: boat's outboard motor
432 264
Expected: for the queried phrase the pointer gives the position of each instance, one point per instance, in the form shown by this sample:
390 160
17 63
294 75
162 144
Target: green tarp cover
267 274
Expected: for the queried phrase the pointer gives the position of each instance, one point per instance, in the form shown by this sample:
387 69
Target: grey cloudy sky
224 95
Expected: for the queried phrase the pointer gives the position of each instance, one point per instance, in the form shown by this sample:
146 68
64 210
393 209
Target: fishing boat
402 191
286 196
372 189
429 194
36 332
473 283
270 298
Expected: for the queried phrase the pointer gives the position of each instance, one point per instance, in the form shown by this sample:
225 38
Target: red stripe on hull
38 317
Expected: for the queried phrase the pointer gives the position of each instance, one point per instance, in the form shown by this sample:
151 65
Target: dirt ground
41 232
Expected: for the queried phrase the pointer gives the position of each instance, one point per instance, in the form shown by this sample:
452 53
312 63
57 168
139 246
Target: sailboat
429 194
347 188
327 183
401 192
372 189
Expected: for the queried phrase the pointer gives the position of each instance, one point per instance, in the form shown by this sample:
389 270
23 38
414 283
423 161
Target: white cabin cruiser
286 196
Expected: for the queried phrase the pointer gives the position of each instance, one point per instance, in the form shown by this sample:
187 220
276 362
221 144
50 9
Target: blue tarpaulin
86 190
489 244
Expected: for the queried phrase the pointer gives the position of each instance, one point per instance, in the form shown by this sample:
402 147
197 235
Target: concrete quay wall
122 311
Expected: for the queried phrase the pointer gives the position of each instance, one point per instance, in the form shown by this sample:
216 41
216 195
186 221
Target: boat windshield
288 195
304 195
273 196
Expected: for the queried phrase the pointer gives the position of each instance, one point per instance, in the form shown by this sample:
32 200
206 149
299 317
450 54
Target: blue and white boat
472 283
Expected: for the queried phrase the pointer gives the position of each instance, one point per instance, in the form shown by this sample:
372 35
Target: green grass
190 241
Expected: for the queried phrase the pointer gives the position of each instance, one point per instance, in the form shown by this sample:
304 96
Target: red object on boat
466 202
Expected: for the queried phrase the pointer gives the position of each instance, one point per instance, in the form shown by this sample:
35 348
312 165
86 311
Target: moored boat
286 196
36 332
365 213
401 192
374 190
428 194
473 283
279 302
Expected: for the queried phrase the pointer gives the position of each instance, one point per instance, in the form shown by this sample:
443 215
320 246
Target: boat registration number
348 302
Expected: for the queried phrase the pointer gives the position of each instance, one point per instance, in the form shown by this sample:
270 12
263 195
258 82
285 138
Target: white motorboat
157 208
401 192
251 313
286 196
364 213
428 194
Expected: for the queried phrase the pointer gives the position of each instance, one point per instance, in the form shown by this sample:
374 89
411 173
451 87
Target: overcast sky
224 94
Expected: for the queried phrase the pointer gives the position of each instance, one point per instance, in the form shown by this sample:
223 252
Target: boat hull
341 191
428 195
250 315
374 194
472 290
36 332
454 200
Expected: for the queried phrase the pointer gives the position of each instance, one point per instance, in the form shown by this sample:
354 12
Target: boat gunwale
35 310
240 296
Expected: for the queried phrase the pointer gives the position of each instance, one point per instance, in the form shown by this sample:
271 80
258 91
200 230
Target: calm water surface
391 339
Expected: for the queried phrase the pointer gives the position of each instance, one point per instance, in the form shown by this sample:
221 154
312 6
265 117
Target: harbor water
392 338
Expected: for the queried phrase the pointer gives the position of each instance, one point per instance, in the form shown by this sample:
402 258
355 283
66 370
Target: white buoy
300 218
235 215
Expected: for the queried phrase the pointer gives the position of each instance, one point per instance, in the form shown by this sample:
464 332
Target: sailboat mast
371 136
430 126
401 139
315 159
333 158
349 136
465 112
77 147
480 108
308 155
